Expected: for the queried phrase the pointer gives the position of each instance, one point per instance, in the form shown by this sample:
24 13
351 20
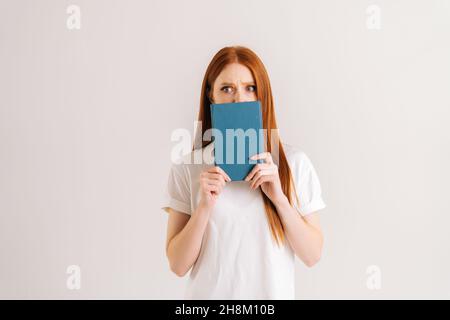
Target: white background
86 117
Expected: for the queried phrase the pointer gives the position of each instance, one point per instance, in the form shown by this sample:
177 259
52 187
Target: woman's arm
184 238
184 233
304 233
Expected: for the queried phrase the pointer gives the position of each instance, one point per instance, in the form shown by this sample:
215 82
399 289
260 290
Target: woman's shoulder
297 158
294 153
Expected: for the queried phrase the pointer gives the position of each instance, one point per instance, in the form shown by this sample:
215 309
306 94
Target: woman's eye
227 89
251 88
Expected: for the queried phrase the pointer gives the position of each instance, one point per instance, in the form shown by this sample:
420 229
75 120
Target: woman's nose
238 96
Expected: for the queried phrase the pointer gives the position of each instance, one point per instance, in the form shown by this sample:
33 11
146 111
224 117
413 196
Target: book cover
237 134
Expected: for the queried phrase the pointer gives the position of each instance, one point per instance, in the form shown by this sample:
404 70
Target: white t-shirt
239 259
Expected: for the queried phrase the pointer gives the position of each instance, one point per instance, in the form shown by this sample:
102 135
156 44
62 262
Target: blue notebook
237 134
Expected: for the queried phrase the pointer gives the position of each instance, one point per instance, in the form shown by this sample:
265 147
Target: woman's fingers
213 180
213 187
214 176
256 168
219 170
266 156
261 180
262 174
216 182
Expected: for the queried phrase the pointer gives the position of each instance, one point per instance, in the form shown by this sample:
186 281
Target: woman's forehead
235 72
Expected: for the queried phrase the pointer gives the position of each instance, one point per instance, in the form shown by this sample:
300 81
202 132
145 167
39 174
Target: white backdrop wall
86 117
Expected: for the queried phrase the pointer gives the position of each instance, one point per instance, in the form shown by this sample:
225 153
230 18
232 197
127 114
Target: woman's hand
212 181
266 175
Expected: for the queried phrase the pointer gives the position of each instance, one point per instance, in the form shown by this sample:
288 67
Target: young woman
240 238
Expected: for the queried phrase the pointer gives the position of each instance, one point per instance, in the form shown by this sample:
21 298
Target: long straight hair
246 57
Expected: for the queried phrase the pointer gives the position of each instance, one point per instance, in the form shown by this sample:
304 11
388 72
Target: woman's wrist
203 208
281 202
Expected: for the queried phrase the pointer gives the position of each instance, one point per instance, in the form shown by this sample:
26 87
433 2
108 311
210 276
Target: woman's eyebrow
232 84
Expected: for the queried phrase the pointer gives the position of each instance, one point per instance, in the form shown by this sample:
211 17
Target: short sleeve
177 193
307 185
